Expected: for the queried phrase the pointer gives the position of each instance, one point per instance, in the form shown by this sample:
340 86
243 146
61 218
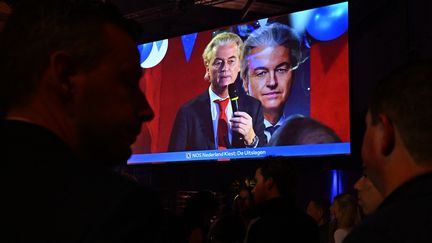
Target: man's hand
241 122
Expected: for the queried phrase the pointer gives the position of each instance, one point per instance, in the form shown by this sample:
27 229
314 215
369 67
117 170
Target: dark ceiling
167 18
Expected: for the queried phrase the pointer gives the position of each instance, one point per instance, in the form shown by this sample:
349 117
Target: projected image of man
208 121
271 54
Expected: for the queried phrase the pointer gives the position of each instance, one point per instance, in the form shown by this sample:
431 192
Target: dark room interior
383 35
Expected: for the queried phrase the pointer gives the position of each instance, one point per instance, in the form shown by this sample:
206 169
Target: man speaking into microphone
210 121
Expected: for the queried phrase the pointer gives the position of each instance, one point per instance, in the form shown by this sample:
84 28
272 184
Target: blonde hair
349 211
220 39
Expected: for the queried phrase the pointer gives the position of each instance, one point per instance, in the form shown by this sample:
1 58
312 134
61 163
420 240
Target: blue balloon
328 23
144 51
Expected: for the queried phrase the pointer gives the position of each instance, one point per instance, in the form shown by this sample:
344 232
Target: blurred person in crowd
208 120
69 87
271 54
318 209
369 198
397 157
231 224
279 220
198 214
346 215
243 205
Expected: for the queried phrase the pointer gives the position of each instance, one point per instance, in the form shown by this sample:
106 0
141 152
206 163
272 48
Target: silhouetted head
303 130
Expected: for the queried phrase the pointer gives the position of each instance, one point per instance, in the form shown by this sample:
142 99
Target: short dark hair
36 29
303 130
324 205
283 173
405 97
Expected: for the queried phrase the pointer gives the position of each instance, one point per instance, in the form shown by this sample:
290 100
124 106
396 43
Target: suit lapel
205 120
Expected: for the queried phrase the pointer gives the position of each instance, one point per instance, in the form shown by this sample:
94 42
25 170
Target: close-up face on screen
272 87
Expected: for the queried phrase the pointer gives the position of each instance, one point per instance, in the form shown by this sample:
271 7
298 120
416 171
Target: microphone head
233 95
232 90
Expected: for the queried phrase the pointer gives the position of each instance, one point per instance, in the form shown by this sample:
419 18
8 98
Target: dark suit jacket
404 216
279 221
193 128
48 195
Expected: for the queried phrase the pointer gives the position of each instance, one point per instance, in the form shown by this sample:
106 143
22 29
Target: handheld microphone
233 94
234 97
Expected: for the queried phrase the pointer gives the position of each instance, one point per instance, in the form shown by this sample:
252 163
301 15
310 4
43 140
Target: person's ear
269 183
245 83
207 72
321 213
62 69
388 135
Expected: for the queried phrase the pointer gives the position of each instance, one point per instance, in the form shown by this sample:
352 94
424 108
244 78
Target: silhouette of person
69 87
279 220
303 130
397 157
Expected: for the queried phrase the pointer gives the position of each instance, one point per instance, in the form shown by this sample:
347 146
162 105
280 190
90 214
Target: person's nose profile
358 184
